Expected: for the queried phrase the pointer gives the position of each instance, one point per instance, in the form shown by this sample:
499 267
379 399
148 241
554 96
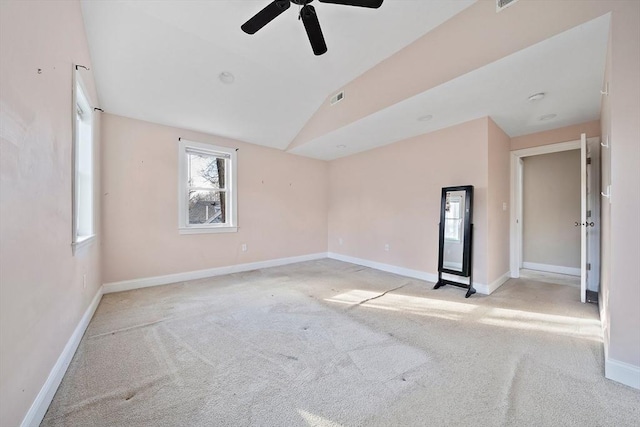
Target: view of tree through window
207 191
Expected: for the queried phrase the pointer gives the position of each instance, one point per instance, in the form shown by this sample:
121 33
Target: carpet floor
326 343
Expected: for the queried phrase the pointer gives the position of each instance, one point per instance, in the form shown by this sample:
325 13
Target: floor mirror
456 238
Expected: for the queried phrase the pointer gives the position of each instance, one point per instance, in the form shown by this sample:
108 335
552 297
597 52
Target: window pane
84 173
206 171
207 207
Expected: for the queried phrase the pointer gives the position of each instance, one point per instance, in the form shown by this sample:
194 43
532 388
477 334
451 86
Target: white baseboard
415 274
491 287
39 407
571 271
127 285
622 372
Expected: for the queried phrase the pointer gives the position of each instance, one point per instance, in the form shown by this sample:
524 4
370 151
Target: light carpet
326 343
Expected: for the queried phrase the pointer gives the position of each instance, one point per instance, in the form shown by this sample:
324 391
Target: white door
583 218
589 216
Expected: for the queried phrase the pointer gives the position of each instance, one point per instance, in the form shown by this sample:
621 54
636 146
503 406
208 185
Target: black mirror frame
467 244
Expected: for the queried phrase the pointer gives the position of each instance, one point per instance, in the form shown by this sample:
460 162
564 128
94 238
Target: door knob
578 224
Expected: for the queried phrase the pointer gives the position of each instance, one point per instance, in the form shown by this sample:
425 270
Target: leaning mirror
456 229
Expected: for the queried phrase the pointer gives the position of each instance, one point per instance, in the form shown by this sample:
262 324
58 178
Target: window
207 188
83 167
453 218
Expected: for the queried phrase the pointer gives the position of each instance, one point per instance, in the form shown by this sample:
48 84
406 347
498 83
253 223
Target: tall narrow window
207 191
83 177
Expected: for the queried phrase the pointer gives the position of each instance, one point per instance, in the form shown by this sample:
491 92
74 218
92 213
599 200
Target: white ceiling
568 67
159 60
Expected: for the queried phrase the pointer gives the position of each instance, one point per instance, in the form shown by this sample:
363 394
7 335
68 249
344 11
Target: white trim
583 217
515 226
415 274
80 96
622 372
489 289
571 271
84 242
184 146
145 282
546 149
202 230
39 407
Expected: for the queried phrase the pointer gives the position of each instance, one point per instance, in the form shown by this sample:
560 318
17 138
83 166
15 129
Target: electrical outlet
504 206
244 247
84 281
387 247
340 241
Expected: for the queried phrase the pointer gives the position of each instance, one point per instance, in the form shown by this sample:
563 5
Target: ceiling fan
307 15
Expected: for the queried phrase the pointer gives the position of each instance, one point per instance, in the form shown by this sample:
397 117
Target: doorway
587 222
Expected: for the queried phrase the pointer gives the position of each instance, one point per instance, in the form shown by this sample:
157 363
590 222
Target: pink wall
605 207
42 297
282 204
623 126
554 136
392 195
478 31
499 193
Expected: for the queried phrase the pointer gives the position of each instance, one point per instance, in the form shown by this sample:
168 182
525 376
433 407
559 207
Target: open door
589 219
583 218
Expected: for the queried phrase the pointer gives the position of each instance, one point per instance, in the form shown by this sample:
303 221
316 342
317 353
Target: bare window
207 188
83 165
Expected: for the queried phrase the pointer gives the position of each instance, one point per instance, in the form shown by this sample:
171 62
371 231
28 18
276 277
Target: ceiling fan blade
265 16
374 4
312 25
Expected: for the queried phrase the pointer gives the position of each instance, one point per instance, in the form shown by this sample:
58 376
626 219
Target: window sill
82 243
204 230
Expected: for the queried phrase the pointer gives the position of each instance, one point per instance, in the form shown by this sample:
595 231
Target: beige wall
42 297
551 206
391 195
499 195
622 226
564 134
282 204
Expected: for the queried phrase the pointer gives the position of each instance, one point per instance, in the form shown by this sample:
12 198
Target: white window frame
458 226
82 106
231 179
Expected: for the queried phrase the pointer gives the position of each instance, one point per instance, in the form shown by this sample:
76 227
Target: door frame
516 202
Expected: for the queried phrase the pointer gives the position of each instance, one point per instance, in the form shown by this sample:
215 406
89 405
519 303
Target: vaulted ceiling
162 61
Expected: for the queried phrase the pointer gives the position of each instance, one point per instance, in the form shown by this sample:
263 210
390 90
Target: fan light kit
306 13
536 97
425 118
341 146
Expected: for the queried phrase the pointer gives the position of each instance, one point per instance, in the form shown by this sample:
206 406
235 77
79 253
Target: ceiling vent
337 97
503 4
